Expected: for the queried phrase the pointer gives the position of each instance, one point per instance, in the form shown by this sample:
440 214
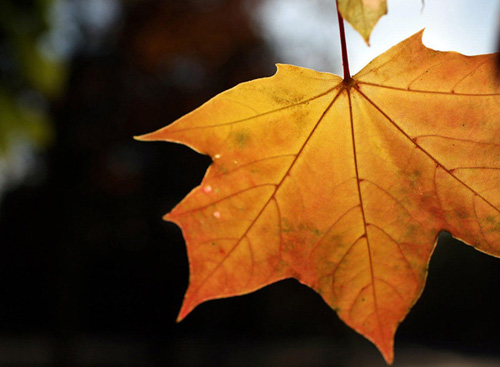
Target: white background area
305 32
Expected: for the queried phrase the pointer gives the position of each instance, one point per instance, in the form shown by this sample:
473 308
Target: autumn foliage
363 15
343 185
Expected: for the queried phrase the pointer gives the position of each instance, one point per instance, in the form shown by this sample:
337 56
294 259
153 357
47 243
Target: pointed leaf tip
181 316
146 137
363 15
387 352
168 218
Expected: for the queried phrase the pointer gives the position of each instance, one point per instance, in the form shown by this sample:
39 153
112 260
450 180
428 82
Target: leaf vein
358 180
256 116
236 193
428 91
449 172
399 248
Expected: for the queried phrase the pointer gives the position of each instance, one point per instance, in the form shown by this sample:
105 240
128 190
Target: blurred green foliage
31 76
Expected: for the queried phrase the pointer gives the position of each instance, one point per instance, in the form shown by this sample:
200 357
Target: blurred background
91 275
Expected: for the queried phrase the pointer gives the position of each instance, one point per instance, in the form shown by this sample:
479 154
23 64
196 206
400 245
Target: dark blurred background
91 275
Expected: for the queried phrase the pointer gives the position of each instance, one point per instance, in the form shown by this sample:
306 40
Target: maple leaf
363 15
343 185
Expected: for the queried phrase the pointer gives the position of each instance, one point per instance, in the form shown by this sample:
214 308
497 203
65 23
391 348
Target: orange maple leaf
343 185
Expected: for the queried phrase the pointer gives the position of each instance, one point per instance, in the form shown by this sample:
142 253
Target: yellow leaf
343 186
363 15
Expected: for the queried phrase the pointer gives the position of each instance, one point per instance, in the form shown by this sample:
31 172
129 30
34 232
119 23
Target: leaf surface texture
343 186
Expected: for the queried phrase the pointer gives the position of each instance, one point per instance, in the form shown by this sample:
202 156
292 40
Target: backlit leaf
343 185
363 15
